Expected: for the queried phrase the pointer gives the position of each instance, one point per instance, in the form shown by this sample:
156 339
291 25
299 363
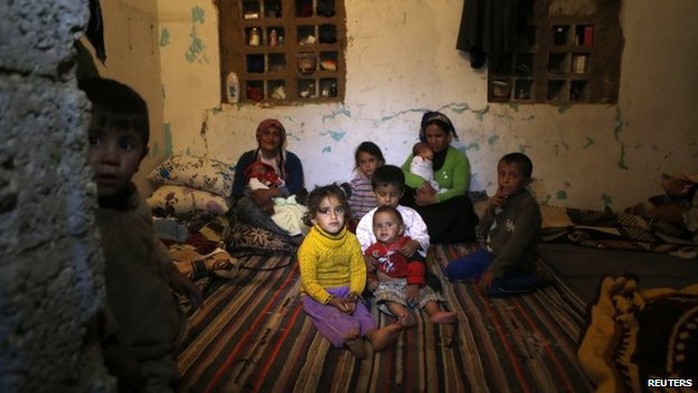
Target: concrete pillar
51 267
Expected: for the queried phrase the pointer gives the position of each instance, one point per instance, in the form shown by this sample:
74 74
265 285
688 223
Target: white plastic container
232 88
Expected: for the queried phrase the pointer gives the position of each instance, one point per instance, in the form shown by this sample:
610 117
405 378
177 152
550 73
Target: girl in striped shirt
368 158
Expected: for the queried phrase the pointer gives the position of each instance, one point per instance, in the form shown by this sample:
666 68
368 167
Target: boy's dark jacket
514 239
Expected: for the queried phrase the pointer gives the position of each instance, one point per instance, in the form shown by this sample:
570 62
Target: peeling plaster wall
51 270
401 61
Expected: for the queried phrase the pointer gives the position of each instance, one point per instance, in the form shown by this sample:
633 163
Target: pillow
635 336
244 240
555 217
178 200
201 173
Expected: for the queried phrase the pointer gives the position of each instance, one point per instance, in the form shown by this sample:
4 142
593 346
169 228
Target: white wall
401 61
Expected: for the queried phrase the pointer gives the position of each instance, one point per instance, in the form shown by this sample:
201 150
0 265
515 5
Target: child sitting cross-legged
333 275
508 232
399 282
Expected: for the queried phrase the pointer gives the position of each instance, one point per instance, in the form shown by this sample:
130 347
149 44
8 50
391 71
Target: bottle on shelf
254 37
233 88
273 38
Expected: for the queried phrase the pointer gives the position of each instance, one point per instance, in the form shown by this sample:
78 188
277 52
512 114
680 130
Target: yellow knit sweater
330 261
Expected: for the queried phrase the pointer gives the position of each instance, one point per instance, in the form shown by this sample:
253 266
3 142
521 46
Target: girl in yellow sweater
333 274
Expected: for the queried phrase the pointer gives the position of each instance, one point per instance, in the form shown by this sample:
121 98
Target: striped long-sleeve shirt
362 198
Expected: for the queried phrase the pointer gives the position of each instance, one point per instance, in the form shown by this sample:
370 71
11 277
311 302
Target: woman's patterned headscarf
436 118
268 123
263 126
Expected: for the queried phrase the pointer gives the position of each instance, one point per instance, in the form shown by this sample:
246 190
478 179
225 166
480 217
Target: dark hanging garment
95 31
488 31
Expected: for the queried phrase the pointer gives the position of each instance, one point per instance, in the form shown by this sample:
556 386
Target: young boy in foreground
143 320
405 287
508 233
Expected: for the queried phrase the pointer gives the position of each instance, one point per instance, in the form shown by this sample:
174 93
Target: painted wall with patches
401 61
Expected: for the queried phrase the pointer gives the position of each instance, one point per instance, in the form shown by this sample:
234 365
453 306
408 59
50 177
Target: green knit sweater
330 261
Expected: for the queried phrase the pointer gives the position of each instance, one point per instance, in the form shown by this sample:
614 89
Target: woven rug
252 336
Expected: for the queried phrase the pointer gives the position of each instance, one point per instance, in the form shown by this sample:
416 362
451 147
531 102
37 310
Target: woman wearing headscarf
449 214
256 206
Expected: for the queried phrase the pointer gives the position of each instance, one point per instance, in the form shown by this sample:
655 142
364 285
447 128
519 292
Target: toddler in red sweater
398 283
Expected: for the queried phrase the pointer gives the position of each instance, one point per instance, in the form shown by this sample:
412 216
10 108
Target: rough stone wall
51 281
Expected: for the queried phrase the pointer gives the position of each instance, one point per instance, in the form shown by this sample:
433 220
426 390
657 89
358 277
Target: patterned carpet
252 336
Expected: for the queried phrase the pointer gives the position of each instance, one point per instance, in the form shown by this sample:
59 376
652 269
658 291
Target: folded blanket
288 214
636 335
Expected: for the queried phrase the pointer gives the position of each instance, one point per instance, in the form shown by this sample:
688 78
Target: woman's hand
425 195
263 199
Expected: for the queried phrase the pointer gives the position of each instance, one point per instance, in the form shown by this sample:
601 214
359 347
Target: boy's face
387 227
388 194
510 178
330 215
115 155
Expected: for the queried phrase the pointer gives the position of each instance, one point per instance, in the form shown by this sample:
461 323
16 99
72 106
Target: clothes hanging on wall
489 29
95 30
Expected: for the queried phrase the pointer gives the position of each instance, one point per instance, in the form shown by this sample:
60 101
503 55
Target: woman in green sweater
449 214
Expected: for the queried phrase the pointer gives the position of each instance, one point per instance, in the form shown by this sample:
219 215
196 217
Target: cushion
201 173
244 240
555 217
638 335
178 200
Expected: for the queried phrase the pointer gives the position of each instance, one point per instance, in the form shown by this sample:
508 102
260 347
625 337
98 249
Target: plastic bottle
254 37
232 85
273 38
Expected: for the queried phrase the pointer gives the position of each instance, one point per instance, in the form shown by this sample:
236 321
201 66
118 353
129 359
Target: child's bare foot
407 320
383 337
443 317
357 347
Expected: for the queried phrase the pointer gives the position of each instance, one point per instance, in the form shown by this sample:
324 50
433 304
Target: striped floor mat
252 336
